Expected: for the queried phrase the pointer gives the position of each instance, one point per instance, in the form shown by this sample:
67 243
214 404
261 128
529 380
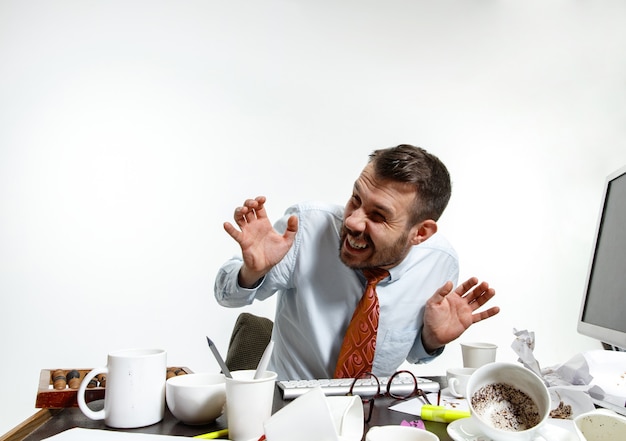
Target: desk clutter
58 387
561 397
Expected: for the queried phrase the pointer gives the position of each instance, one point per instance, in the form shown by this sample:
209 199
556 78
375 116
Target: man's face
376 229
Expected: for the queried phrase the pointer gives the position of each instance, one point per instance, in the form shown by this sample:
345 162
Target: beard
379 257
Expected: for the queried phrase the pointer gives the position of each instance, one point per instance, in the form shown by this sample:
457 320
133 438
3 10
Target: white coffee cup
600 424
493 413
135 388
248 404
347 415
457 380
399 433
477 354
313 417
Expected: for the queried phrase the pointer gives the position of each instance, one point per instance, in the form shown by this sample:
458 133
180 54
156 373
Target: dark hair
414 165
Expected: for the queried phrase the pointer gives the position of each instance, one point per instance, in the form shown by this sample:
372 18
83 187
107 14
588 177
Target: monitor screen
603 310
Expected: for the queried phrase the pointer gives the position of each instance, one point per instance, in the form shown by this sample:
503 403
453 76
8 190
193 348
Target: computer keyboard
291 389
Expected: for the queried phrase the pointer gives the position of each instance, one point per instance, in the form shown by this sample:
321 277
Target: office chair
251 335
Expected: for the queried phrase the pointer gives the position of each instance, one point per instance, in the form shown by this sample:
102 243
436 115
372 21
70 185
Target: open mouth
356 245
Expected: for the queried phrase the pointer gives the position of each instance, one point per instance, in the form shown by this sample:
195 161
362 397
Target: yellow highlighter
213 435
441 414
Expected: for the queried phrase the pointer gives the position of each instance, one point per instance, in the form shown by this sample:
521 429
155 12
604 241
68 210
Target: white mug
457 380
600 424
135 388
494 391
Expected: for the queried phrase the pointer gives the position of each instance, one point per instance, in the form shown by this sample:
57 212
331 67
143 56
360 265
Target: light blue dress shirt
317 295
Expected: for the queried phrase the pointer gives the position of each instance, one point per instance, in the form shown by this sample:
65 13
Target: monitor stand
608 347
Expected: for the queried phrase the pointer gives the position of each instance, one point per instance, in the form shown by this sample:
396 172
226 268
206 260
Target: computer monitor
603 309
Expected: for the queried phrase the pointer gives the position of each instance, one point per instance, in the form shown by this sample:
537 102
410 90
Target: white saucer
466 429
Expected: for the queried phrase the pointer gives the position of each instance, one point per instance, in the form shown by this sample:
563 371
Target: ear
423 231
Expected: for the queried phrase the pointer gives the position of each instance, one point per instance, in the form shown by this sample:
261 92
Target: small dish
466 430
197 398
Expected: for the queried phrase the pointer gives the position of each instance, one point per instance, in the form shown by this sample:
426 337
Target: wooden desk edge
20 432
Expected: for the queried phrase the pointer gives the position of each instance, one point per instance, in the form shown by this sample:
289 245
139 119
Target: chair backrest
251 335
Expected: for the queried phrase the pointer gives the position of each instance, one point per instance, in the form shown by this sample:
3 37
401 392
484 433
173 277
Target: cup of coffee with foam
508 401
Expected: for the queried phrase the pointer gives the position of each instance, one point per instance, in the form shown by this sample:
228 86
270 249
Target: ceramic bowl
600 425
196 398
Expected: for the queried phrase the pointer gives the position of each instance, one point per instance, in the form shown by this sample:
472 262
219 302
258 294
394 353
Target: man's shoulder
437 243
313 217
435 258
437 240
316 208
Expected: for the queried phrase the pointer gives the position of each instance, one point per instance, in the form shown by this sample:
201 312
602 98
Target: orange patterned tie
359 344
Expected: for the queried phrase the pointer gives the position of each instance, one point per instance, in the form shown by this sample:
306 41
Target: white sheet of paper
608 369
80 434
447 400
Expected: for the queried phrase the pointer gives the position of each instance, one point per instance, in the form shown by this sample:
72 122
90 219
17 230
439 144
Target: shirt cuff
418 353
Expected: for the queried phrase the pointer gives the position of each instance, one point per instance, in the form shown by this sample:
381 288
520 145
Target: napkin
315 417
595 374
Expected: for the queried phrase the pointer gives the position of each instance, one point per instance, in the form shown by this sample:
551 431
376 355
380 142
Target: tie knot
375 275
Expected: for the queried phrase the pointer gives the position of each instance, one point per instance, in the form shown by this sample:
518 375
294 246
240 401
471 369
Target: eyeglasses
401 386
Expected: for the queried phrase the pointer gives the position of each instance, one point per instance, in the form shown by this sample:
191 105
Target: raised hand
262 246
449 313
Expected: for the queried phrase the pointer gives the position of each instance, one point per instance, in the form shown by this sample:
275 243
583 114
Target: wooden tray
50 398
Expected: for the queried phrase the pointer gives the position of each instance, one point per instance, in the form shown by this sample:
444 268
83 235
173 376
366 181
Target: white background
130 130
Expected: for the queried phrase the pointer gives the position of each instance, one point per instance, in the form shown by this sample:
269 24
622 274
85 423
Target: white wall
129 131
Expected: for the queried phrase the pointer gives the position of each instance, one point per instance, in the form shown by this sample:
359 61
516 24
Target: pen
265 359
218 357
213 435
441 414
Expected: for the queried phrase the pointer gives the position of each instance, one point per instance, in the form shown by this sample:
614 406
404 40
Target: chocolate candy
73 379
59 381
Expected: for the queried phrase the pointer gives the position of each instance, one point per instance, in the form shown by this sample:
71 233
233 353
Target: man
314 258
